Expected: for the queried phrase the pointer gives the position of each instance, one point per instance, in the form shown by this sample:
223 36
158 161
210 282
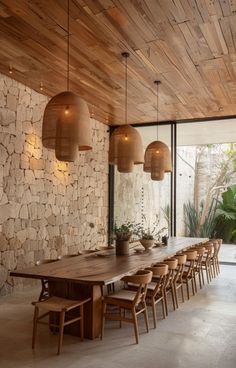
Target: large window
206 157
139 199
189 202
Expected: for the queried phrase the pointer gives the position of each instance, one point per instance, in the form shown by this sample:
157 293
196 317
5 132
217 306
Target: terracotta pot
122 247
147 243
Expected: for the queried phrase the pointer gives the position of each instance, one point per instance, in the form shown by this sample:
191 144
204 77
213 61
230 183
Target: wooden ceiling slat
188 44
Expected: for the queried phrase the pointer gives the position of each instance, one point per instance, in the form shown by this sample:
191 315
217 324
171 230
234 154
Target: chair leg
82 322
163 307
154 313
35 325
166 302
187 288
146 316
195 282
135 325
202 274
182 292
199 277
120 316
104 307
61 330
193 288
176 297
207 275
173 297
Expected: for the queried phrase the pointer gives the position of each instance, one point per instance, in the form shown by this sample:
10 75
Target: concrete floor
202 333
228 253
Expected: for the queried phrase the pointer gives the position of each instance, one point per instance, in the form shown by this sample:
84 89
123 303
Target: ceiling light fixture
157 158
66 120
126 148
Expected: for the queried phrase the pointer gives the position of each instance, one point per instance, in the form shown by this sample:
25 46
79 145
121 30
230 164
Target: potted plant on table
148 236
147 239
122 235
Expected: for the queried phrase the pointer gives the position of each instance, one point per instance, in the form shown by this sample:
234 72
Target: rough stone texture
46 206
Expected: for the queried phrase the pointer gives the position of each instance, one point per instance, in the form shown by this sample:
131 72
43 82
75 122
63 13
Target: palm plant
226 216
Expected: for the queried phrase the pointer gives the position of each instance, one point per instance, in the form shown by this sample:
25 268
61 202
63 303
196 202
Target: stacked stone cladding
47 208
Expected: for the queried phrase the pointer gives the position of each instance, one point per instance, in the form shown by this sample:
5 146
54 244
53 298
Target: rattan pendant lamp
126 147
157 158
66 120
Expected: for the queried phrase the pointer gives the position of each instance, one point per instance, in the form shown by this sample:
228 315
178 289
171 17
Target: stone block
24 214
3 275
11 102
3 243
7 117
36 164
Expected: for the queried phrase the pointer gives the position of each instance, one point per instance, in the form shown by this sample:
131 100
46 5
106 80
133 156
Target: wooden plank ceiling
188 44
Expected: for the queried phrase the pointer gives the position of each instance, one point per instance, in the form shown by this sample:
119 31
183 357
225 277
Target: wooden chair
156 289
198 268
189 273
170 281
44 294
206 261
215 257
178 280
125 299
61 306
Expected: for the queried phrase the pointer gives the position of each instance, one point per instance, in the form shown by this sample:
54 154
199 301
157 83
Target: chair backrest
172 263
216 247
141 278
182 258
160 272
208 251
191 255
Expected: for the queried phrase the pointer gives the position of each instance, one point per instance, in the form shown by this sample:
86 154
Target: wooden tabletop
104 267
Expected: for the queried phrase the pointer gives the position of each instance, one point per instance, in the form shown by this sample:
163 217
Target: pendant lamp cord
126 55
157 84
68 45
126 90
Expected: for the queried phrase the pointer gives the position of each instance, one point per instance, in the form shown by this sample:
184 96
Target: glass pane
140 200
206 157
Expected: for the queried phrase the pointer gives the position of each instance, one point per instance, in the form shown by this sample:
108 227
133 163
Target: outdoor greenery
220 221
226 216
211 213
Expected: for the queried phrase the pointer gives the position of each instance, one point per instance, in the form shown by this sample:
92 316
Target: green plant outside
226 216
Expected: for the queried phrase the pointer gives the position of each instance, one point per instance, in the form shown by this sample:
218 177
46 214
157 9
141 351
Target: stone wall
47 208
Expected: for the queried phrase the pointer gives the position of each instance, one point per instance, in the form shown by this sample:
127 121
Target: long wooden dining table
86 275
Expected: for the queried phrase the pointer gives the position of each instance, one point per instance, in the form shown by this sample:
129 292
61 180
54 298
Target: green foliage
190 219
166 214
147 233
124 231
195 226
226 216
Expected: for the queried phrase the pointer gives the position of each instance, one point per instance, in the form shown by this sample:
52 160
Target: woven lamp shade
157 167
126 148
157 160
66 126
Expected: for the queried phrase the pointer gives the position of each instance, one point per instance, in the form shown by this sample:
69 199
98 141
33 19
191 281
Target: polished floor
228 253
202 333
